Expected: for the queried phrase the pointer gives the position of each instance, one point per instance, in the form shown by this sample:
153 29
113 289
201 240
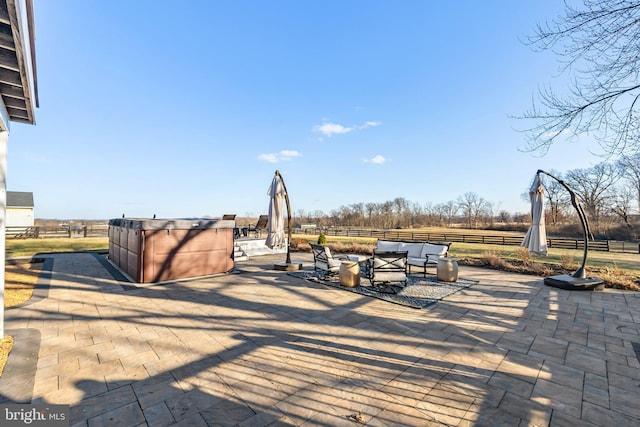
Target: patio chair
260 225
324 261
387 267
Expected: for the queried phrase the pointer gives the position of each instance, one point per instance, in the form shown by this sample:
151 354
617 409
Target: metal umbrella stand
578 281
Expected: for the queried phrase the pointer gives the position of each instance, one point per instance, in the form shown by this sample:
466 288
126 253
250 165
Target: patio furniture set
244 231
390 263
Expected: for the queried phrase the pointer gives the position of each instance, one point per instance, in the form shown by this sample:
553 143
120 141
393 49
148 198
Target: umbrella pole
578 280
286 198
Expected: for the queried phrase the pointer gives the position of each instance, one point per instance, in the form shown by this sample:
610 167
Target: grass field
30 247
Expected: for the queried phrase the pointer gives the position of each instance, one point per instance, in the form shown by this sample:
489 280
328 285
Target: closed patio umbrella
276 222
536 238
276 218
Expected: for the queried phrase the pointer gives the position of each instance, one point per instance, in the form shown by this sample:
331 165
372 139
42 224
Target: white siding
20 217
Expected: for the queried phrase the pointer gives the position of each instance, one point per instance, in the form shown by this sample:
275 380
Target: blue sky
187 109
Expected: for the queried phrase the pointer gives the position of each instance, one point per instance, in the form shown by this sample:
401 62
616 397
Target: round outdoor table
349 274
447 269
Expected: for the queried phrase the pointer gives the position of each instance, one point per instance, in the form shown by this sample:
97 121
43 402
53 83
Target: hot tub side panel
133 261
170 254
114 244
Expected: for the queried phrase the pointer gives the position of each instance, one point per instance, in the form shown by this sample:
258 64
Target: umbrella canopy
536 238
276 220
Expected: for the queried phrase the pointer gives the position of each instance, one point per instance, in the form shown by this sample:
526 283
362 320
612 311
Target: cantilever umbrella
275 222
536 238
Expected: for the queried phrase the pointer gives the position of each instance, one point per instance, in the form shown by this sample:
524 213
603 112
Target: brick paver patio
259 347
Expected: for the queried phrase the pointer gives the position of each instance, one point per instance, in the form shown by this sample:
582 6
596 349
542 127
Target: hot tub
155 250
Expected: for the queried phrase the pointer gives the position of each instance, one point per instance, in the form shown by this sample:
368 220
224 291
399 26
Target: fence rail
40 232
405 235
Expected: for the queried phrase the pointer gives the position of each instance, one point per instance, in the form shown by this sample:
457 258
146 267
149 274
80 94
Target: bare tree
416 214
386 212
450 210
630 170
402 208
597 44
370 209
504 216
357 210
594 187
622 201
557 199
473 208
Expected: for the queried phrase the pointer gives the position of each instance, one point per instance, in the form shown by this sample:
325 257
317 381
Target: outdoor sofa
422 255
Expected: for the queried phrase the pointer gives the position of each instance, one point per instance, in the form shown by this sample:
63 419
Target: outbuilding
20 211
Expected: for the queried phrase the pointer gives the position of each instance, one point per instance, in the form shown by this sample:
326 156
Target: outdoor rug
420 292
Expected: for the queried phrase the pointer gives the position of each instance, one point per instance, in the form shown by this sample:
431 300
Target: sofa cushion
416 261
386 246
389 276
385 264
414 250
431 249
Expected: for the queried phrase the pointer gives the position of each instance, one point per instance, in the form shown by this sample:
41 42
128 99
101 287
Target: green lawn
630 262
30 247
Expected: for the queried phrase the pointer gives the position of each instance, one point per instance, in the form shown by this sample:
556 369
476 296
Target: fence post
84 229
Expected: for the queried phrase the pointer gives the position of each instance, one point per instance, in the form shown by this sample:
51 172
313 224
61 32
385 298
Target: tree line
609 193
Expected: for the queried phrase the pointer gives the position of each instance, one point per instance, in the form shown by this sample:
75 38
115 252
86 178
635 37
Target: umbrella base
570 283
287 266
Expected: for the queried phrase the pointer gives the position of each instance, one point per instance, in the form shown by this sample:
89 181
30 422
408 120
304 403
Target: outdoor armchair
324 261
260 225
387 267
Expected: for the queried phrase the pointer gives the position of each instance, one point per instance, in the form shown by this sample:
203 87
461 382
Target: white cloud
282 156
377 160
369 124
329 129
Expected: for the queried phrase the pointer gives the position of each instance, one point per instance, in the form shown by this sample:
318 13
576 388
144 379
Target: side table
349 274
447 269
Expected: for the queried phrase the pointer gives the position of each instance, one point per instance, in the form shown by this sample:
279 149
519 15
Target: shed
20 209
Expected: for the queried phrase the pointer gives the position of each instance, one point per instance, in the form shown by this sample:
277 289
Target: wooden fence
421 236
39 232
